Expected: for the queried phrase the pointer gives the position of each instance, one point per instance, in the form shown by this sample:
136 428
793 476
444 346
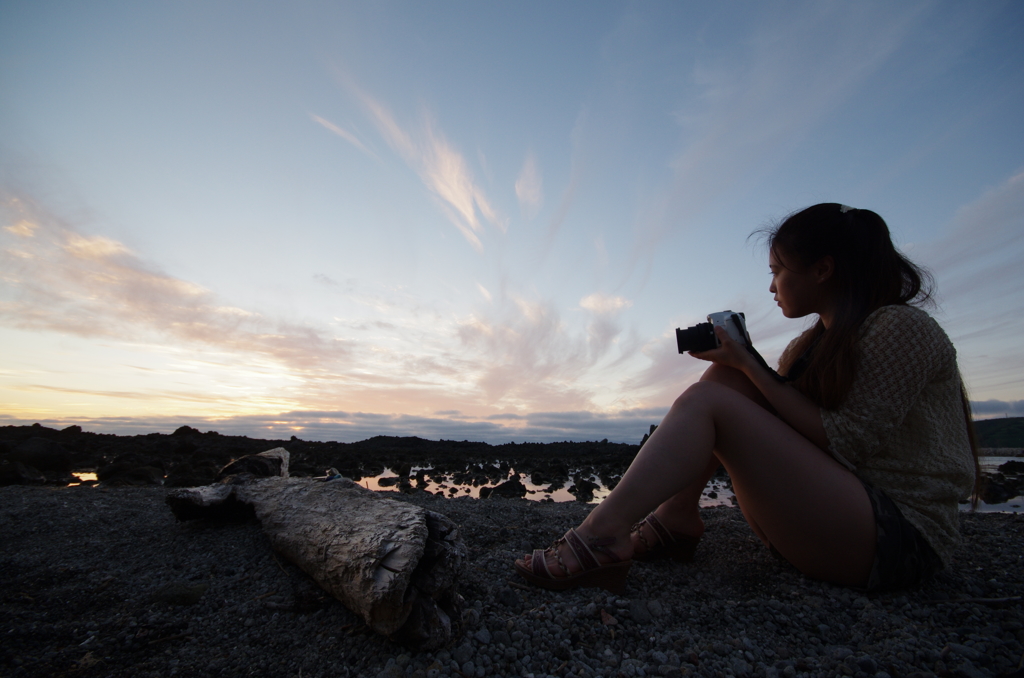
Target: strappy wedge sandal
610 576
671 545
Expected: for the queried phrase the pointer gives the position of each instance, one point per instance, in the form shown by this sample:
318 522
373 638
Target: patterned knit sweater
901 427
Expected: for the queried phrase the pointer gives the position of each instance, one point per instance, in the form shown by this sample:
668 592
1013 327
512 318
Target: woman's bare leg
812 509
681 512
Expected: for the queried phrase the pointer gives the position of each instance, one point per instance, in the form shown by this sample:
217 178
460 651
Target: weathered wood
393 563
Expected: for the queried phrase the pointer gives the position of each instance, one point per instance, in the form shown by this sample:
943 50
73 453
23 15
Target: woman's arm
793 407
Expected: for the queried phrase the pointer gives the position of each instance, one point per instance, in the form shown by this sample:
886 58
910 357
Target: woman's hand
730 353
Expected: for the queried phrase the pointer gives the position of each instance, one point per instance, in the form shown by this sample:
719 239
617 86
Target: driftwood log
394 564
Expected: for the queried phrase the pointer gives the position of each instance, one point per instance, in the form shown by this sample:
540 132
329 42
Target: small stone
964 651
639 612
867 665
483 636
391 670
469 668
655 608
501 637
463 653
509 598
607 619
740 667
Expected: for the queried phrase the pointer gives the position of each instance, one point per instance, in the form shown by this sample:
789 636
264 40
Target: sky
473 221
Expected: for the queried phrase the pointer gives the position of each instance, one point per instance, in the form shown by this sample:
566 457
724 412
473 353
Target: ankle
686 522
595 527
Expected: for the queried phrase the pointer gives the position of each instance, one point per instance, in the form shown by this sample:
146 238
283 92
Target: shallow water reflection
717 493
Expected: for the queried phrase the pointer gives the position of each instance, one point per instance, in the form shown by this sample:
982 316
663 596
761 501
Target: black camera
701 337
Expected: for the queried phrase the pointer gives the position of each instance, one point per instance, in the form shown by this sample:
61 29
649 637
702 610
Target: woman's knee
701 394
737 381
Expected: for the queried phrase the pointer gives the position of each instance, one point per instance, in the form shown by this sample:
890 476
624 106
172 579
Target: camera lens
700 337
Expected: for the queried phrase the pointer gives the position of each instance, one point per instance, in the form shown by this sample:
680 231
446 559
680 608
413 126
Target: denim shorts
903 558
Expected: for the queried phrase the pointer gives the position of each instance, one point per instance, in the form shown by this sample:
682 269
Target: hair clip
844 209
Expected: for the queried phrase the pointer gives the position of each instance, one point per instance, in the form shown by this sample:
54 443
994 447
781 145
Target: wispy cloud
517 355
530 187
603 328
344 134
443 170
60 280
603 304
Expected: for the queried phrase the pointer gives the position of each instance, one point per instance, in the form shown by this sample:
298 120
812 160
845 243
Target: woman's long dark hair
869 273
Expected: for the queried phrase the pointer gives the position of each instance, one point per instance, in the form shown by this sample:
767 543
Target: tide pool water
717 493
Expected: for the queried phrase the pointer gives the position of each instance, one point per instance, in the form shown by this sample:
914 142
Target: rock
502 638
964 651
43 455
583 489
391 670
185 431
179 593
741 667
509 598
867 665
998 489
639 612
463 653
510 488
1012 467
117 476
16 473
483 636
655 608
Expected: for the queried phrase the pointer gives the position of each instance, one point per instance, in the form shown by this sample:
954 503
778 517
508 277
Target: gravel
104 582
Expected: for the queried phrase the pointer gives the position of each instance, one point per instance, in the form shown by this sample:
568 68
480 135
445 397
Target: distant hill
1008 432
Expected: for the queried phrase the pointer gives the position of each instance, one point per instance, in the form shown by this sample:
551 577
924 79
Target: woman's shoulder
900 317
904 325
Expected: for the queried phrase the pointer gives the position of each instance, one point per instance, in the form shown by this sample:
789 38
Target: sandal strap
585 552
539 564
660 531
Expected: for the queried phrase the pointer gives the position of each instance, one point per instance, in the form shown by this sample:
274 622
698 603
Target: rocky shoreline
104 582
100 580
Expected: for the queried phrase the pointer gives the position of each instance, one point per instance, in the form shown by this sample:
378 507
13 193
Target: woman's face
798 291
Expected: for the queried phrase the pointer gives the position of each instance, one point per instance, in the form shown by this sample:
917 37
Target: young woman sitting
850 466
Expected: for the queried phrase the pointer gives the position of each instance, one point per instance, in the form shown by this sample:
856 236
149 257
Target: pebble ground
104 582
